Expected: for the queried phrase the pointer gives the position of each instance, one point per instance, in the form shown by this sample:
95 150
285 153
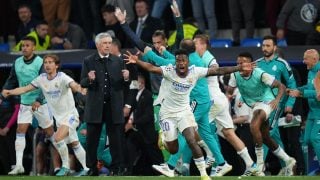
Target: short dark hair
29 38
116 42
108 8
145 1
24 6
247 55
188 45
159 33
270 37
42 22
181 52
57 23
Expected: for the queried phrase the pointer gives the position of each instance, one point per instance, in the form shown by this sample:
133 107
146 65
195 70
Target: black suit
142 142
101 108
130 94
149 26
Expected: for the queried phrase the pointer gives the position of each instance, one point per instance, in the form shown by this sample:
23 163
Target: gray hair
101 36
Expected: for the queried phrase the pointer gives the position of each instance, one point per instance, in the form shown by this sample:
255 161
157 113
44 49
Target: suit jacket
95 95
144 117
130 94
150 25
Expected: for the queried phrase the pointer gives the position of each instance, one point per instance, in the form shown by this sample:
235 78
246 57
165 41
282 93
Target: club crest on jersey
189 80
56 85
274 68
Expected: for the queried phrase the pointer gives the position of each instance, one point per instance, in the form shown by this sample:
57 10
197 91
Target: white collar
143 18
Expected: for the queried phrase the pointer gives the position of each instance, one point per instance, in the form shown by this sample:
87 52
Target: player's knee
173 149
228 133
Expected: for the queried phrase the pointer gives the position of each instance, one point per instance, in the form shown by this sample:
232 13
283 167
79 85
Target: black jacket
95 95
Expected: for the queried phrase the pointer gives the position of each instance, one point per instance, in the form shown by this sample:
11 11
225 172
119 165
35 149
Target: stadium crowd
165 106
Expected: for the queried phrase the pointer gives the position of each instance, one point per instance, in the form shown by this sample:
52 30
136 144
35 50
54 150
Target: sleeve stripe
34 85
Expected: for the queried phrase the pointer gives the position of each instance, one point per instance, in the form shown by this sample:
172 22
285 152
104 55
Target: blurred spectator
145 25
40 34
8 20
124 5
314 37
142 137
190 29
86 13
9 109
160 5
237 10
204 13
68 36
27 23
298 18
111 23
55 9
130 87
273 8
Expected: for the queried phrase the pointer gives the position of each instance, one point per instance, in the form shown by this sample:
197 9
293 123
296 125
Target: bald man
311 92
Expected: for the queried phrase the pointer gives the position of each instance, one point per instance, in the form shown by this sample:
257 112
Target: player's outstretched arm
130 58
18 91
214 70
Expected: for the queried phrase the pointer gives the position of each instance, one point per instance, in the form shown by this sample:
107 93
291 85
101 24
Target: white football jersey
178 89
213 83
58 95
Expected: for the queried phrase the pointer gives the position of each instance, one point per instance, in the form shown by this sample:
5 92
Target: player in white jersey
175 112
56 87
219 111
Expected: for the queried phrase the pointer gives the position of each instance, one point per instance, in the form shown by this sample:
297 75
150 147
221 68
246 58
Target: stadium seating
4 47
221 43
251 42
282 43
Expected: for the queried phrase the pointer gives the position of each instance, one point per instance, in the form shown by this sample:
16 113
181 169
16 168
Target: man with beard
281 70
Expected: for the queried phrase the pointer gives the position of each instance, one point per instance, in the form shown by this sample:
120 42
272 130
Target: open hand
92 75
247 66
130 58
35 106
121 16
175 8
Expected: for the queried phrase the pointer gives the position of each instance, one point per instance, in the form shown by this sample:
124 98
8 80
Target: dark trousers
239 9
290 137
115 134
296 38
7 149
141 154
